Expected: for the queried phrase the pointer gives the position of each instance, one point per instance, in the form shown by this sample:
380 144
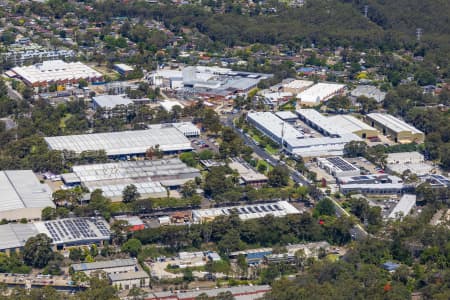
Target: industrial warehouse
123 144
403 207
186 128
63 232
320 92
149 176
245 212
56 72
295 141
377 184
336 125
297 86
248 175
23 196
207 81
408 161
397 129
108 266
338 167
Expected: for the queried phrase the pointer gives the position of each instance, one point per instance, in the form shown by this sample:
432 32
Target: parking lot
364 164
200 144
32 279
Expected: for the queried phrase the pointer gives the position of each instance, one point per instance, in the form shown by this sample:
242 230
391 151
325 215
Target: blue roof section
390 266
258 255
305 70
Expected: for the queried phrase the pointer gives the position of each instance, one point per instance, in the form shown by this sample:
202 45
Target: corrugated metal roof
100 265
22 189
128 276
122 142
393 123
16 235
404 206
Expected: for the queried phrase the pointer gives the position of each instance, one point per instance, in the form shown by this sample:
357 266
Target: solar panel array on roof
341 163
276 209
73 230
440 179
363 177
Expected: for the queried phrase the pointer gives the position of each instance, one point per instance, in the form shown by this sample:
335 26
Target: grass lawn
62 122
271 150
332 257
263 162
255 136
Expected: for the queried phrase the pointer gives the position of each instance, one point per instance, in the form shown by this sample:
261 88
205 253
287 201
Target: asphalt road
15 95
296 176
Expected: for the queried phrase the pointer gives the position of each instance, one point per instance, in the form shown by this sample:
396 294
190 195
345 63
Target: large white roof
168 105
349 124
319 92
405 157
369 91
132 169
274 125
286 115
21 189
116 190
299 84
324 146
15 235
404 206
339 124
61 231
122 142
318 119
56 70
245 212
148 176
111 101
393 123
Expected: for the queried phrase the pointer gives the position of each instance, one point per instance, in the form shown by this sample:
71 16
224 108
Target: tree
37 251
27 93
338 103
367 104
99 289
445 156
355 149
225 296
325 207
189 158
216 181
262 168
136 293
93 250
130 194
48 213
206 154
132 246
189 189
187 275
99 203
154 151
278 176
242 264
76 254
